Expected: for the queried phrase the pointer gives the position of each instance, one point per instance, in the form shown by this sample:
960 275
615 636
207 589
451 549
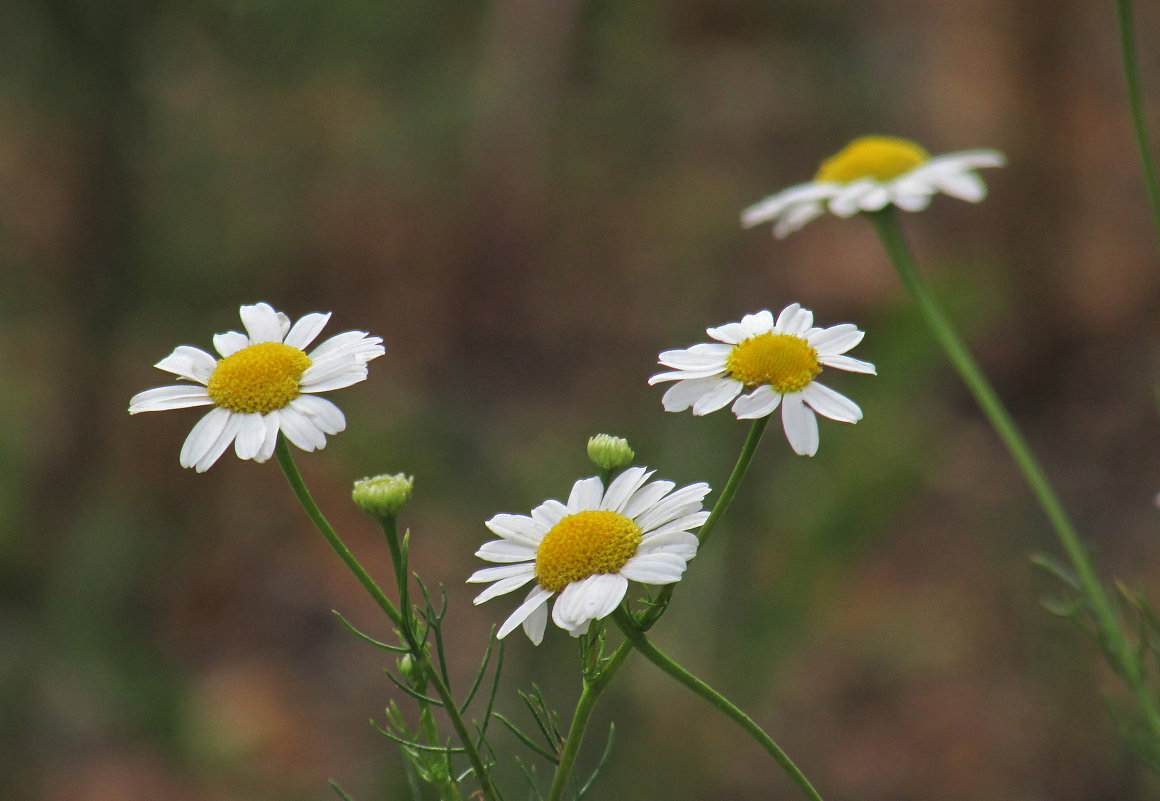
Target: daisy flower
776 363
869 174
587 550
263 385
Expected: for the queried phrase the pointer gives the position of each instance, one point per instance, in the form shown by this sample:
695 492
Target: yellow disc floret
786 362
258 378
880 157
585 544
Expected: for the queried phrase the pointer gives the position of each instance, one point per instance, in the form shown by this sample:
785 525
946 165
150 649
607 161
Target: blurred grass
528 202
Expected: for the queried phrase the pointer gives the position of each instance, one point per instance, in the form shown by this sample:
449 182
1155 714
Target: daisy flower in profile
869 174
263 385
775 362
587 550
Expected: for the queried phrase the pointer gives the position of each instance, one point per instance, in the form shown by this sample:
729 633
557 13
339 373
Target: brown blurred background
527 201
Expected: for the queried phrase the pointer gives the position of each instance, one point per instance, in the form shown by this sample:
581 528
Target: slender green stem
657 608
286 461
1136 107
641 643
1113 638
593 687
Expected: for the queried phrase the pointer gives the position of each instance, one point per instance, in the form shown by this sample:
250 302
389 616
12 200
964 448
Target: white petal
718 396
656 568
645 497
263 324
534 601
501 572
836 339
848 201
189 362
273 425
590 599
355 346
757 404
775 205
505 585
332 376
685 393
757 323
548 514
535 623
684 501
251 435
324 414
831 404
800 424
796 218
686 375
678 542
229 343
622 487
505 551
849 364
179 396
912 201
586 494
301 429
729 334
209 439
306 330
677 527
697 357
526 531
793 319
876 199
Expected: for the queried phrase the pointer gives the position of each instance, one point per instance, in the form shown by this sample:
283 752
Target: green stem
657 608
1136 107
641 643
286 461
1112 636
593 687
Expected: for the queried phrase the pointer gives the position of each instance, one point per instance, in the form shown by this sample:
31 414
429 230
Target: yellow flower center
881 157
258 378
786 362
585 544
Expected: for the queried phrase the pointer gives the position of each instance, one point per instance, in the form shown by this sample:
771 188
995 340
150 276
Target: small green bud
610 453
412 672
382 496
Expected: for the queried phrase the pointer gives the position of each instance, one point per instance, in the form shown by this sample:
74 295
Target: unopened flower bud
610 453
383 496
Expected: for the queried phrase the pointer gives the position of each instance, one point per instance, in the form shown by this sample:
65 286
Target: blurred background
528 201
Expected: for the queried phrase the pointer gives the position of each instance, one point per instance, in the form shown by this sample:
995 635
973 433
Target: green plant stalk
641 643
298 486
593 687
657 608
1115 642
1136 108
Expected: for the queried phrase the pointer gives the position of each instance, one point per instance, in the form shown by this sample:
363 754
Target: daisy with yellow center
586 551
776 363
263 385
871 173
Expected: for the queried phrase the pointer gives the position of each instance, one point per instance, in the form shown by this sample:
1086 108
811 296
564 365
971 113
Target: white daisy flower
263 384
587 550
777 363
869 174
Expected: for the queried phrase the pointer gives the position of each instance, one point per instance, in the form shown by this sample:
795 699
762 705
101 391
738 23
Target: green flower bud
610 453
382 496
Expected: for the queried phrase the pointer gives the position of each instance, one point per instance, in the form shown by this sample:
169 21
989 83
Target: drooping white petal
654 568
324 414
301 429
775 205
677 504
719 395
535 600
204 436
831 404
796 218
592 598
499 572
848 200
686 392
836 339
505 585
251 435
800 425
757 404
